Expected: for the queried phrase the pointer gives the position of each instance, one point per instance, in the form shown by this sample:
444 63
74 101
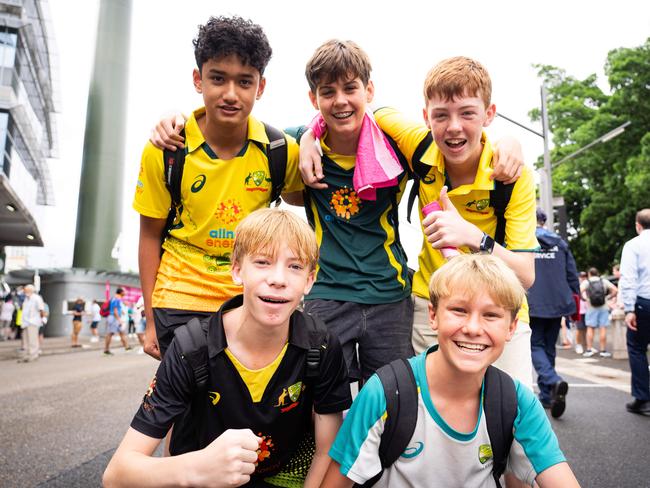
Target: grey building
28 134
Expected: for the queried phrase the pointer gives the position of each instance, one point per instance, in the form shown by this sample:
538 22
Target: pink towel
376 165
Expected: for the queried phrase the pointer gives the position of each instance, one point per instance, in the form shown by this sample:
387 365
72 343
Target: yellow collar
434 157
195 138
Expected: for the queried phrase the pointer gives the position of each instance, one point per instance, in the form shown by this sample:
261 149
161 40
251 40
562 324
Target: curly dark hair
222 36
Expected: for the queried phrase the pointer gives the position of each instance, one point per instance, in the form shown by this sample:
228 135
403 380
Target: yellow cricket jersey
472 201
216 194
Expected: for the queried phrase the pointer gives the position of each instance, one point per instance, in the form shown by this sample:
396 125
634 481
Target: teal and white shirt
438 455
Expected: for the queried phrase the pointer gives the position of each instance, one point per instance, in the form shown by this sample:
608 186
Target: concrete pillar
99 217
619 330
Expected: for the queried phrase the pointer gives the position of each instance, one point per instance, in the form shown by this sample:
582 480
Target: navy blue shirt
556 278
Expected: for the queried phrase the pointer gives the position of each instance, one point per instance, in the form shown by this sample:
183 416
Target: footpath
9 350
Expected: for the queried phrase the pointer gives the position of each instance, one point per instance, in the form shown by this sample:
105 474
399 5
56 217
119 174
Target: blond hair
265 230
458 77
336 59
472 274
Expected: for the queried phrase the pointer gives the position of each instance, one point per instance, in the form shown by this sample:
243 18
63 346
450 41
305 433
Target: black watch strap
487 244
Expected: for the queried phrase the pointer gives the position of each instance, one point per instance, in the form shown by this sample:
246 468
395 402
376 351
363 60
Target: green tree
604 186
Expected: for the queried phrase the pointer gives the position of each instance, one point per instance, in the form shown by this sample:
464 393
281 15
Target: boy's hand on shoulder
166 133
229 460
311 168
508 160
447 228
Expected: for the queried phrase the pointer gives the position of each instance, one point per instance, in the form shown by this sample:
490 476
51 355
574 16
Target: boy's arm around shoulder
520 230
227 461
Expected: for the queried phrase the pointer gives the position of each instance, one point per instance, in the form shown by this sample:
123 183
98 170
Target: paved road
63 416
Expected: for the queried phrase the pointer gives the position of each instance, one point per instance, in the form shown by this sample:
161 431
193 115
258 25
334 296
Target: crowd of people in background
24 315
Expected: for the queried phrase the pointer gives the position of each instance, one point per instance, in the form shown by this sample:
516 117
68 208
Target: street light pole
546 180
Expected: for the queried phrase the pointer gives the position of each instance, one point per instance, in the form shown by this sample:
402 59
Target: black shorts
167 320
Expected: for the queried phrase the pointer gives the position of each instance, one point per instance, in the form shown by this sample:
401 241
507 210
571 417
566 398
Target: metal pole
99 217
546 183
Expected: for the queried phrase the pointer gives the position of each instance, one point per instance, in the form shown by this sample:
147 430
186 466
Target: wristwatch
487 244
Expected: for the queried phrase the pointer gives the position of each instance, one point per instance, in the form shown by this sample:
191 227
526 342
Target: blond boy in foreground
474 305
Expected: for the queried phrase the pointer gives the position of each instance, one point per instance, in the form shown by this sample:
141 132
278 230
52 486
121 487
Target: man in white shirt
635 290
33 313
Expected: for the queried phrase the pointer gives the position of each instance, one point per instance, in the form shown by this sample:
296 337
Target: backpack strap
499 199
317 343
500 407
420 171
276 152
192 340
400 390
173 164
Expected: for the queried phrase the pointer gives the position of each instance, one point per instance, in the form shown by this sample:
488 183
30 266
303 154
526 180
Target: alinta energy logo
255 180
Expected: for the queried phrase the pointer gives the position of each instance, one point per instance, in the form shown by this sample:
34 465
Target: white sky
404 39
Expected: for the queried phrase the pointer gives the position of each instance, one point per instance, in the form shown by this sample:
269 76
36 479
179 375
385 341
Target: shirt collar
195 138
298 333
434 157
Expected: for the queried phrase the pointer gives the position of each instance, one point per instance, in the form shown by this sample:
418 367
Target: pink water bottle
447 252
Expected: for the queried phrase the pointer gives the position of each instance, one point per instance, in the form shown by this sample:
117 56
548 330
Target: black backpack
400 390
596 293
174 162
192 341
499 195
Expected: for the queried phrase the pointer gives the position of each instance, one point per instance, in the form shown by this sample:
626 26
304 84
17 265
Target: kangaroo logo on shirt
480 205
254 181
484 453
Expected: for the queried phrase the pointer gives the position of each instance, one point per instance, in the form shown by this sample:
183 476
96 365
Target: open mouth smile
274 300
455 143
470 347
342 115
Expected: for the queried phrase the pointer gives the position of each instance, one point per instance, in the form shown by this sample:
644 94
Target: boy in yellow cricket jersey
225 177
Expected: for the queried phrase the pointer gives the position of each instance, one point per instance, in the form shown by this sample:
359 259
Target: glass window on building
7 56
5 143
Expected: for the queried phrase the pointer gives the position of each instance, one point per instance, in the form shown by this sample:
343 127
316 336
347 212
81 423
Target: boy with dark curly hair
226 176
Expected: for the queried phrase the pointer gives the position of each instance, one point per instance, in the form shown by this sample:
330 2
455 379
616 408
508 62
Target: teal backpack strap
192 341
500 407
277 156
420 171
499 199
400 390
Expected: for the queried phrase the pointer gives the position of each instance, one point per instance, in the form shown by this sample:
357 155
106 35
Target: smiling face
342 103
229 88
472 330
274 283
457 125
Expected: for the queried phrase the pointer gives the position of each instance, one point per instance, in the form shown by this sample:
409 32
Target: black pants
168 319
637 350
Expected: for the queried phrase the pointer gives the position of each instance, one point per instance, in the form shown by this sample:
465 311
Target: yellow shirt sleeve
151 198
520 215
407 133
292 179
